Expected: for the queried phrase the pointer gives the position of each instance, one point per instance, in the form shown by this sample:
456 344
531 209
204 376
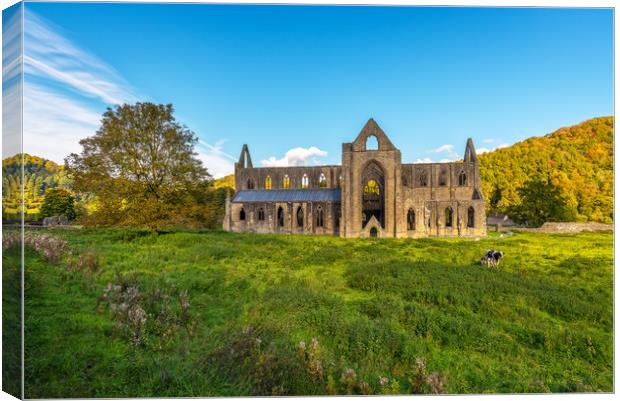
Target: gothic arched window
322 181
286 182
300 217
305 181
423 179
462 178
242 214
280 217
340 181
261 214
448 217
470 217
410 220
443 178
372 143
250 184
268 182
319 217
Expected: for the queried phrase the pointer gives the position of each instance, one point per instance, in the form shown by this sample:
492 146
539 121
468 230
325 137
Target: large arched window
305 181
268 182
423 178
443 178
286 182
470 217
280 217
250 184
372 143
300 217
261 214
462 178
242 214
448 217
373 193
319 217
410 220
322 181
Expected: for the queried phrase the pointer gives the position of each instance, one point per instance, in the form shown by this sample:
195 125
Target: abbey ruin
372 194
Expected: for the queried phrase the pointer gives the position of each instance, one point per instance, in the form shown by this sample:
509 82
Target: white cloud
444 149
54 124
424 160
448 152
49 55
480 151
296 157
217 162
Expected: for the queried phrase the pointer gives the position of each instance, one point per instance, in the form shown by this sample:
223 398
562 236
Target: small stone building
372 194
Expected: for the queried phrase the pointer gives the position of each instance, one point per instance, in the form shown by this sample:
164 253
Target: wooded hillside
571 167
39 175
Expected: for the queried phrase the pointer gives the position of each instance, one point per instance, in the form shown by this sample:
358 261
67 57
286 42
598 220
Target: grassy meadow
128 314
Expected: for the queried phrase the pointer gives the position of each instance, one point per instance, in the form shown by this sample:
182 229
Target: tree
57 202
141 168
542 201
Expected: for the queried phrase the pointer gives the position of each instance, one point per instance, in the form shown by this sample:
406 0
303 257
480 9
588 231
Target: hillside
575 162
39 174
225 182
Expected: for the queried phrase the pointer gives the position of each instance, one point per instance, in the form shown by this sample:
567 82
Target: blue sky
294 82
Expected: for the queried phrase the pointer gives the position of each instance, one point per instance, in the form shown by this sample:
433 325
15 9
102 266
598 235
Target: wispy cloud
66 90
218 162
11 83
54 123
424 160
296 157
444 149
448 152
49 55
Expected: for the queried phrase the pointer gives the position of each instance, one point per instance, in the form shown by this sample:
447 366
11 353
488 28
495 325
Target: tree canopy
141 168
57 202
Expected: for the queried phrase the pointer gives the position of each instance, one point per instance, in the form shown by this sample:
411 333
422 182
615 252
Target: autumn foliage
564 176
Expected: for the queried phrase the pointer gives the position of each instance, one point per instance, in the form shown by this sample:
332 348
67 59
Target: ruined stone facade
371 194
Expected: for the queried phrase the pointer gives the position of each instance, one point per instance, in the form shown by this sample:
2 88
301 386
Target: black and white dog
491 258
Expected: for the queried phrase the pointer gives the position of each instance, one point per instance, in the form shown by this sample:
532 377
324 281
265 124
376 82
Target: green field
542 322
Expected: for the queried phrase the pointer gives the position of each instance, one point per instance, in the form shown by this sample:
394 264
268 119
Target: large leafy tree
542 201
57 202
141 169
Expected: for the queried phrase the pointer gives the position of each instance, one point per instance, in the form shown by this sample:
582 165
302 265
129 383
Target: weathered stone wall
568 227
270 223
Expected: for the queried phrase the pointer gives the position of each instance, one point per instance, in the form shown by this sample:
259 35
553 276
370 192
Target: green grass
542 322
